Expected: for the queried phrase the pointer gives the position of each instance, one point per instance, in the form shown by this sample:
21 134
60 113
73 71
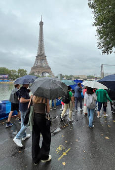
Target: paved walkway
74 146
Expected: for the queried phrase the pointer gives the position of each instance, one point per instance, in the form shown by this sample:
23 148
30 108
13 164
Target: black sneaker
9 124
47 160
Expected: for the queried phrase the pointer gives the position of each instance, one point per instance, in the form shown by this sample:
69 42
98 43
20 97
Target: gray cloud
69 37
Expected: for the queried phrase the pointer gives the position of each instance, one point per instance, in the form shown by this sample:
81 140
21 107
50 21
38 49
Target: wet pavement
74 146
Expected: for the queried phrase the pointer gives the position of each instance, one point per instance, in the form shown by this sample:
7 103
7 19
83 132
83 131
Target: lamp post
102 71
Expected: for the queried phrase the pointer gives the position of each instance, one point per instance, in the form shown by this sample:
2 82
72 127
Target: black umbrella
27 79
109 81
49 88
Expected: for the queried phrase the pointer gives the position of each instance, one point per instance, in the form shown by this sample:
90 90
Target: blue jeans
78 99
100 105
90 115
54 103
22 132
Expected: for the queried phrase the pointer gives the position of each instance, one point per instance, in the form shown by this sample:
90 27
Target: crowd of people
94 99
20 99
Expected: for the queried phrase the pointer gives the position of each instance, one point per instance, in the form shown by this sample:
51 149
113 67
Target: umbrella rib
59 86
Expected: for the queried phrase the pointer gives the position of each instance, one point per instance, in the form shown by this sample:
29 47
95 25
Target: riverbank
8 82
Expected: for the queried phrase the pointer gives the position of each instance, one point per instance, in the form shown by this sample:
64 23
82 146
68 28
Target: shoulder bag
30 109
48 120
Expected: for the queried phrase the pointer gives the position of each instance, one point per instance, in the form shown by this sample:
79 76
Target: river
5 90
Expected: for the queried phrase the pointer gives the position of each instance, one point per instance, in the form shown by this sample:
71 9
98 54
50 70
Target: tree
76 77
90 77
13 74
32 74
68 76
22 72
104 16
4 70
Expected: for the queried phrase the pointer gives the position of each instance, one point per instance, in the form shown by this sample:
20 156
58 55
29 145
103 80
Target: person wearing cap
24 100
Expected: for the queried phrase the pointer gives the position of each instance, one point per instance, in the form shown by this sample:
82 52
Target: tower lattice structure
41 66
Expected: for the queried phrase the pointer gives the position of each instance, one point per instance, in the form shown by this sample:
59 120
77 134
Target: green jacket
70 95
102 95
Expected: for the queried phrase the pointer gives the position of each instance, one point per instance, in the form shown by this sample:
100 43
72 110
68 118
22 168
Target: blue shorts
100 105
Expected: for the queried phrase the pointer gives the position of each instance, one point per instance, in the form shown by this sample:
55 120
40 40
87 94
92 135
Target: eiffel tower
41 66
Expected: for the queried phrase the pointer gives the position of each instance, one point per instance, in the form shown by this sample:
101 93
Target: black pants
40 126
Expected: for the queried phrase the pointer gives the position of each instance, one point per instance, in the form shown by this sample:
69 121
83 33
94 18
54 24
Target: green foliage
4 70
76 77
90 77
22 72
49 76
13 74
69 77
104 16
32 74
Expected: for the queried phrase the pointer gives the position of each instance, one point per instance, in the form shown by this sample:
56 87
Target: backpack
90 102
66 98
13 96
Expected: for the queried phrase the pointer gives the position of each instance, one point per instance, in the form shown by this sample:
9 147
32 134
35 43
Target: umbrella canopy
109 81
68 82
94 84
49 88
27 79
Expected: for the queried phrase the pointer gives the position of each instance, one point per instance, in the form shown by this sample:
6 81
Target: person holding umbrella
43 89
101 93
90 101
40 126
85 107
111 94
24 100
102 97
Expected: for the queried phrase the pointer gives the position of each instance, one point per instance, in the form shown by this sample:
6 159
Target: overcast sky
69 37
